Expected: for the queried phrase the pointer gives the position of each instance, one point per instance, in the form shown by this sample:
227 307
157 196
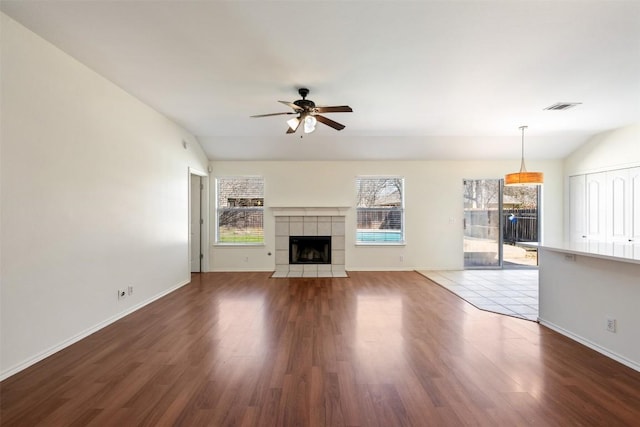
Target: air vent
561 106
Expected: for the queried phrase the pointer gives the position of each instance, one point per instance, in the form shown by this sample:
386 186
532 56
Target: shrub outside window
240 210
380 210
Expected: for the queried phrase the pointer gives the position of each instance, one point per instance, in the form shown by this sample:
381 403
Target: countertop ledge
623 252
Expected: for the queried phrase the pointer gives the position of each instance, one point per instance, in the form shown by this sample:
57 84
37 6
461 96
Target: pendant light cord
522 166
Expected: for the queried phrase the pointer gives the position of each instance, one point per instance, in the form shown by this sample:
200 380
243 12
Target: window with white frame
240 210
380 210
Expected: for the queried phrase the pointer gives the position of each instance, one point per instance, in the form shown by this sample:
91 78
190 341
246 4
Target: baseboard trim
630 363
66 343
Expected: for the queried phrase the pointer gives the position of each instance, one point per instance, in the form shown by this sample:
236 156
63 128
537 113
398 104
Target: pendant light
523 177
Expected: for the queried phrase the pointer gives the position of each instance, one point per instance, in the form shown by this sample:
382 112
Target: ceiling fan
308 114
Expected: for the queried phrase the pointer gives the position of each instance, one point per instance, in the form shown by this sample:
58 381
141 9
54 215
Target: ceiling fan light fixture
308 114
293 123
523 177
309 124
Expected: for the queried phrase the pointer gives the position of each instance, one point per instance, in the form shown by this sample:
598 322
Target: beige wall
433 201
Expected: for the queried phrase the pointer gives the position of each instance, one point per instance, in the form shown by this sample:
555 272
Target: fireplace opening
309 249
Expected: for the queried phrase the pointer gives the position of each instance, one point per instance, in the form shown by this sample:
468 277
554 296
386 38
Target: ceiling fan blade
335 109
329 122
291 104
273 114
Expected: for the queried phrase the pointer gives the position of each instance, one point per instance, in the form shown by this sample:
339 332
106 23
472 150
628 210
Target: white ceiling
426 79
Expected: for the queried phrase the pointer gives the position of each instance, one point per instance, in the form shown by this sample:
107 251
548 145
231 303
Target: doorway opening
197 223
501 224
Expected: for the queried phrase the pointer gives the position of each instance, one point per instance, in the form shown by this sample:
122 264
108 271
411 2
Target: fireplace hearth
309 249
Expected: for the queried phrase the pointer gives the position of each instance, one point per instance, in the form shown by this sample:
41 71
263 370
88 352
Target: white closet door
577 208
595 184
618 197
634 183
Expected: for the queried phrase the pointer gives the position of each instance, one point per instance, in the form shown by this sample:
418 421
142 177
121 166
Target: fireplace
317 225
309 249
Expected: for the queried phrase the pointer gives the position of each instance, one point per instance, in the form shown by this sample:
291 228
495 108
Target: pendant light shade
523 177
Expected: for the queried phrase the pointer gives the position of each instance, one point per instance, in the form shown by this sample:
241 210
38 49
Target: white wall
433 195
94 198
578 294
615 149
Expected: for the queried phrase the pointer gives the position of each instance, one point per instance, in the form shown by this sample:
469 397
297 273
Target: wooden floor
376 349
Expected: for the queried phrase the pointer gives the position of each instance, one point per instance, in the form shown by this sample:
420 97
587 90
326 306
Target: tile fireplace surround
310 221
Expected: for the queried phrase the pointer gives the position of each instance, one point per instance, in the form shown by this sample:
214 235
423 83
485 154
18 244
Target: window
240 210
380 210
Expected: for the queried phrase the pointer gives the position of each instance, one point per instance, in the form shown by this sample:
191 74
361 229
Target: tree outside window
380 210
240 210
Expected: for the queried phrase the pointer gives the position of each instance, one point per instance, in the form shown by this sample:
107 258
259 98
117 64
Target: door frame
204 209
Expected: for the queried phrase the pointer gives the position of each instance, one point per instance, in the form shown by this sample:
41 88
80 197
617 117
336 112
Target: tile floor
510 292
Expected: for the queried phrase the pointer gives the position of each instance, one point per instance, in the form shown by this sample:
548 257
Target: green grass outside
235 236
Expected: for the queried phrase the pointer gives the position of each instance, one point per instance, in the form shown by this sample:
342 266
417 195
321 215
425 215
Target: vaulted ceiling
426 79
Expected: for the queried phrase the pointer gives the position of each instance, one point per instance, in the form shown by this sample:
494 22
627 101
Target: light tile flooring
510 292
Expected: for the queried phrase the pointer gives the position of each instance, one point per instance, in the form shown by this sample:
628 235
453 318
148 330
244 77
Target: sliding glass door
482 223
521 225
499 222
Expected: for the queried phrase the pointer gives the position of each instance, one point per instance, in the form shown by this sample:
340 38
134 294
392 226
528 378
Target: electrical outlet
611 324
130 290
122 294
401 258
246 259
570 257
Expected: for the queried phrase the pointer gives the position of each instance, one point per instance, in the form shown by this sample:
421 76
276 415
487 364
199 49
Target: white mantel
309 210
